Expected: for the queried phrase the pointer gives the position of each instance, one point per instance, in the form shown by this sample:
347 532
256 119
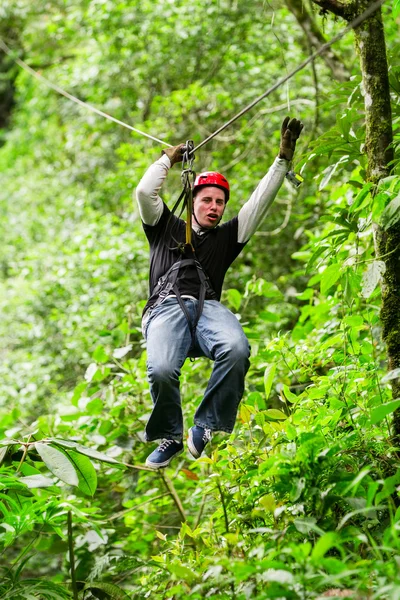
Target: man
177 323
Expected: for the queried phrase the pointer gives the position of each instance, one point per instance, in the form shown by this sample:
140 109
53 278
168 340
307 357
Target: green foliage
303 497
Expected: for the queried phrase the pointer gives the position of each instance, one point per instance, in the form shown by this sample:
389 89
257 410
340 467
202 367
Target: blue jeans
219 336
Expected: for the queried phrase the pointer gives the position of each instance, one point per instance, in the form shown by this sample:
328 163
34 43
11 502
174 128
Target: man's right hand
175 154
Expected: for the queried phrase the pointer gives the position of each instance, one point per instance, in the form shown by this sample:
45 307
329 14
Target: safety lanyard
188 176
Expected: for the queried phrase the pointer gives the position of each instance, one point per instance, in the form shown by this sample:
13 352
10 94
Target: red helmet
212 178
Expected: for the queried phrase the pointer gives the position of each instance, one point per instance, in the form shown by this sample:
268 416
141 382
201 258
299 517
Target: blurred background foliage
302 497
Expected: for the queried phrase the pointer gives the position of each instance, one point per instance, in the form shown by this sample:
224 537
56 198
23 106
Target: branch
71 556
172 491
337 8
314 38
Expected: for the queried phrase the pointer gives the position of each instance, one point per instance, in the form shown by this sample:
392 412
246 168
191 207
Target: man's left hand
290 132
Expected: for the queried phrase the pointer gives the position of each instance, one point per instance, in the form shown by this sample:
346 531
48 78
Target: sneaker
162 456
198 440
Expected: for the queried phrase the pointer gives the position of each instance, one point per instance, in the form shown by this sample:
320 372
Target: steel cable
63 92
357 21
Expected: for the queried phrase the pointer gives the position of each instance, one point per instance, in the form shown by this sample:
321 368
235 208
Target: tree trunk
371 48
7 90
315 39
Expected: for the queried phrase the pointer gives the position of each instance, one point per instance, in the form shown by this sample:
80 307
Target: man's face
209 206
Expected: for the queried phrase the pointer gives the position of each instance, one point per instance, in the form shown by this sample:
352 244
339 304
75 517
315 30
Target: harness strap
168 284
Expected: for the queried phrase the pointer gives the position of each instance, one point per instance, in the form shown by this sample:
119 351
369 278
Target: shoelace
164 445
207 435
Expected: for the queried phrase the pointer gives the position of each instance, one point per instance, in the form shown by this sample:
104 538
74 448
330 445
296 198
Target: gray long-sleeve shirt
250 215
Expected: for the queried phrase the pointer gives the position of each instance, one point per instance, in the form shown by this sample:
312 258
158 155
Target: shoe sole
156 466
192 447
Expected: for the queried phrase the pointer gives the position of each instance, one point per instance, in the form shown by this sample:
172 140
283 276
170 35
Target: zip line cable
357 21
63 92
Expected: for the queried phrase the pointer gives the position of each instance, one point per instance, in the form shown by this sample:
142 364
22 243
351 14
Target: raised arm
147 192
254 211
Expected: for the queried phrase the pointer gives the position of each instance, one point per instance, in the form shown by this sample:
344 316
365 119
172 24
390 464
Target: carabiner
188 156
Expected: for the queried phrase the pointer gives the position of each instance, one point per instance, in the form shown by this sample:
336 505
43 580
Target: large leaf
121 352
86 451
329 277
234 298
391 214
58 463
86 472
37 481
274 413
325 543
290 397
95 454
268 379
394 374
382 411
372 277
64 443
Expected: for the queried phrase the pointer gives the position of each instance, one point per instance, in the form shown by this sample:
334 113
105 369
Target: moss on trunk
371 48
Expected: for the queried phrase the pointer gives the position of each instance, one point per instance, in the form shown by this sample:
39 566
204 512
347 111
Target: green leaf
58 463
329 172
358 202
391 214
307 524
182 572
86 472
37 481
382 411
329 277
90 372
100 355
234 298
352 282
393 374
298 485
325 543
268 379
245 414
290 397
9 442
372 276
94 407
95 454
121 352
113 591
267 315
396 8
64 443
274 413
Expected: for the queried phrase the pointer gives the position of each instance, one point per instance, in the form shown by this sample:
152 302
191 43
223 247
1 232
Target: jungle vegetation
302 500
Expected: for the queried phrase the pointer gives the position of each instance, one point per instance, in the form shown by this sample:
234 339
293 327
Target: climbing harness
167 286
